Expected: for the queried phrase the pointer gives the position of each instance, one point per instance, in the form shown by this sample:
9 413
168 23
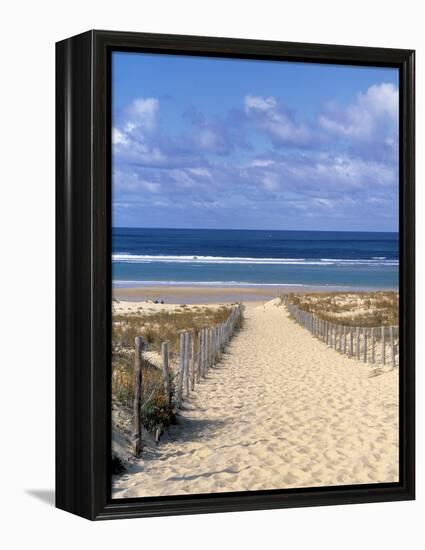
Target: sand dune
281 410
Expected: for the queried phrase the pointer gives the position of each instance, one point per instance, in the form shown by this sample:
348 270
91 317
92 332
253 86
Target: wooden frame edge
82 290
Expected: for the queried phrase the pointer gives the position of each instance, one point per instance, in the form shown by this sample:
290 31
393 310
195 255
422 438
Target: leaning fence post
351 341
137 381
165 373
372 341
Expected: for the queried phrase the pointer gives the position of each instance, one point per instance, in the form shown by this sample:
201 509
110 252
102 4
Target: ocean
151 257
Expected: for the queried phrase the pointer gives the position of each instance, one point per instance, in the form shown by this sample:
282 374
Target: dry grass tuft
164 326
154 328
365 309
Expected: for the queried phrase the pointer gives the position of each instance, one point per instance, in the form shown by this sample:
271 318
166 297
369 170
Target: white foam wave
188 259
120 283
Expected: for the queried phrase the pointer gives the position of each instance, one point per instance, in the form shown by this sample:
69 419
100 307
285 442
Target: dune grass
365 309
164 326
154 327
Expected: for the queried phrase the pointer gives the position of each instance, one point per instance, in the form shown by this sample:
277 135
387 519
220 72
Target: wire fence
375 345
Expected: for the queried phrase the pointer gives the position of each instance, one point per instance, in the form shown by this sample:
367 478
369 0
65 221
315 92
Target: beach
255 330
212 294
200 294
280 410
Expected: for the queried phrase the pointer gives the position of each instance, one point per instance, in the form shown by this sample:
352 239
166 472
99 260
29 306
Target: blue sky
223 143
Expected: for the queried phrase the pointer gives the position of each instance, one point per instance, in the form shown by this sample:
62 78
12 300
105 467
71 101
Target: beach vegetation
357 309
154 327
164 326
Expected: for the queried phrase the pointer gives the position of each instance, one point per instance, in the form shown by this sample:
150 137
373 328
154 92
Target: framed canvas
235 274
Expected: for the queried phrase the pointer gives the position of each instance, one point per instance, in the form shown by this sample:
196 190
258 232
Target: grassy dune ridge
160 326
365 309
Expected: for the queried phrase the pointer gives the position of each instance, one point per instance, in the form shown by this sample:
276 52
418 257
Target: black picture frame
83 295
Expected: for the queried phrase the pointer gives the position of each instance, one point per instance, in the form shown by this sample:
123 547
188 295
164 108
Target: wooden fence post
206 336
335 336
217 341
383 344
193 341
209 349
199 357
358 342
137 381
364 344
392 346
203 353
165 371
179 393
187 363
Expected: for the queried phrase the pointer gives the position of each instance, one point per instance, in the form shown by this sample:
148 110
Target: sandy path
280 410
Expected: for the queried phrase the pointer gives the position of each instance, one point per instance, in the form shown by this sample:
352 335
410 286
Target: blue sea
144 257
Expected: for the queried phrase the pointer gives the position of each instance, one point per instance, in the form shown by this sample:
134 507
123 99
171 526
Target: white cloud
260 103
271 181
201 172
261 162
151 186
118 137
372 116
133 138
272 118
332 166
142 114
130 181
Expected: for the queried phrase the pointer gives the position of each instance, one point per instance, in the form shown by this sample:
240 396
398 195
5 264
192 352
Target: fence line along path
367 344
199 351
283 410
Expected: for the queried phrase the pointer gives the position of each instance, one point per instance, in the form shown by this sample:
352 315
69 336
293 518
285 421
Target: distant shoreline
203 294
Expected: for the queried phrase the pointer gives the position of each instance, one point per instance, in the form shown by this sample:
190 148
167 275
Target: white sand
146 307
280 410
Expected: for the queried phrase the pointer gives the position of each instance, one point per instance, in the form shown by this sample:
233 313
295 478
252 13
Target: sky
203 142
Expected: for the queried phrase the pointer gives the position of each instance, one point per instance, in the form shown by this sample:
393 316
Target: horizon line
265 230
